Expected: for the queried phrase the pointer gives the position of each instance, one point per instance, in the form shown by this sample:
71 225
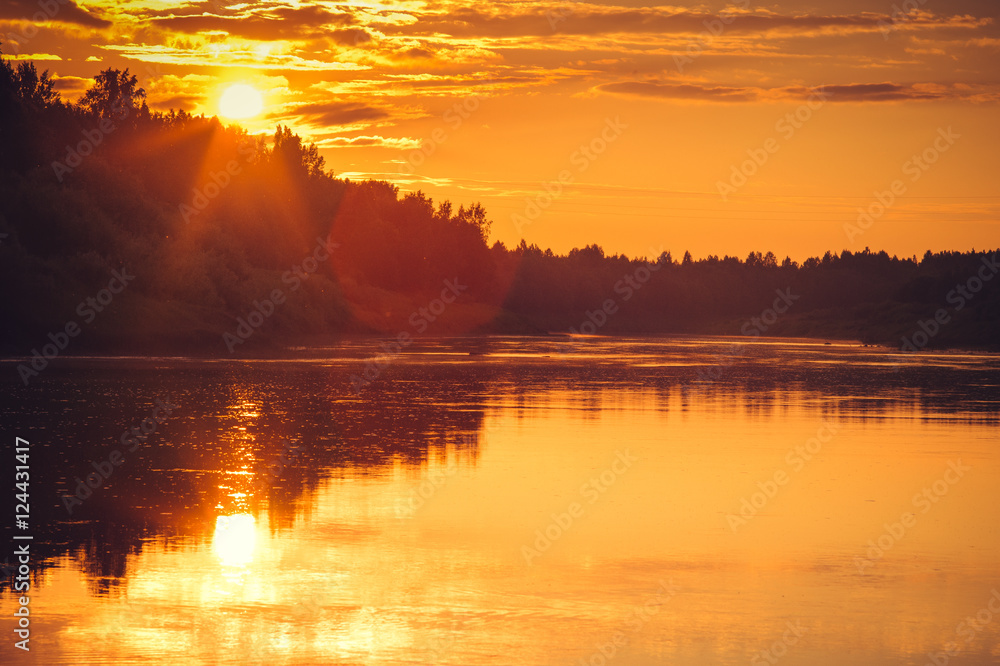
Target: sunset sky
492 102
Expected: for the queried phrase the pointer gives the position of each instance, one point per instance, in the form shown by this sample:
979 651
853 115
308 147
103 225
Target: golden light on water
235 538
396 563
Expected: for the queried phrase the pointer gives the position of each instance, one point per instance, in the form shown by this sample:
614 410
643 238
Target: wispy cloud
329 113
852 92
398 143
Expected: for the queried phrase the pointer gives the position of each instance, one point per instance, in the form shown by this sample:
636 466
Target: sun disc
240 101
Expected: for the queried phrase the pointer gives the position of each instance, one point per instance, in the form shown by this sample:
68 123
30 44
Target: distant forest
205 225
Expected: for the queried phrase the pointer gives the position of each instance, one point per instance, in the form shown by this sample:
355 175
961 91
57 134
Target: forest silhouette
212 221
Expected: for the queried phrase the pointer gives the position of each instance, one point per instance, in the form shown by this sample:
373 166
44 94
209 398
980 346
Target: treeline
212 222
867 296
208 219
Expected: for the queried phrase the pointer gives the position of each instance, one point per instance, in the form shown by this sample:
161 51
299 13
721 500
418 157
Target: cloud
182 101
418 52
62 11
334 113
73 86
877 92
680 91
423 84
34 56
266 25
851 92
540 19
893 92
227 57
401 143
351 36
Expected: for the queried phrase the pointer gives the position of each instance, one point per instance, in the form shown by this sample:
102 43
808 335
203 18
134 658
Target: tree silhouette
115 95
289 150
161 193
34 90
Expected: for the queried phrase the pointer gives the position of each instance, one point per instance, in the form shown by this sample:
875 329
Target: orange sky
650 116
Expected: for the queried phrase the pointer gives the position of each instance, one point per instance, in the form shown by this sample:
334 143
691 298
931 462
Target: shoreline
267 350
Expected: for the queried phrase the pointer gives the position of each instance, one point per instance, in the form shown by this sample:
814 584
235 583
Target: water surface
518 501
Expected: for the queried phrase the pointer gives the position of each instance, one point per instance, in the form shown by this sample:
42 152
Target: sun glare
235 538
240 101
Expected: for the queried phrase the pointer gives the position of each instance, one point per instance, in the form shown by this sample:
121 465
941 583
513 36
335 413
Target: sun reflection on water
235 538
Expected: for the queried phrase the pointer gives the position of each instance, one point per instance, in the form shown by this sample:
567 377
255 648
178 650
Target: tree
475 216
289 150
115 95
34 90
7 86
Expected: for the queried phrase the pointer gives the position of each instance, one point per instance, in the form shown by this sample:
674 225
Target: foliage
212 219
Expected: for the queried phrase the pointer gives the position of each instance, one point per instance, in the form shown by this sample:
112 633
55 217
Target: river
513 500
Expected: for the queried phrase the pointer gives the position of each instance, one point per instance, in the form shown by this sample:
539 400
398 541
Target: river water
514 500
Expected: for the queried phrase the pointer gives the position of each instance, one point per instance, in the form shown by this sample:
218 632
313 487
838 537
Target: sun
240 101
235 539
